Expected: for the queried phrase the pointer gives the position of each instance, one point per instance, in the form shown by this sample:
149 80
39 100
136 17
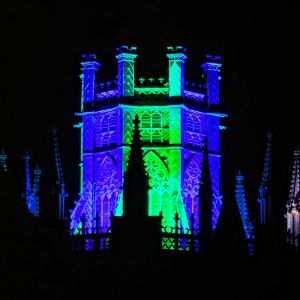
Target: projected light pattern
172 134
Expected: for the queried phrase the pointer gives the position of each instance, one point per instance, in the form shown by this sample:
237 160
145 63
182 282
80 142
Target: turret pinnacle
295 182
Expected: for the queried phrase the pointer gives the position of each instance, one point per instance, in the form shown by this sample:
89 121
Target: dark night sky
40 51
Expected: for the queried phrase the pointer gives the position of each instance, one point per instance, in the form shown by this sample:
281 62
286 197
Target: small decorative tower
88 77
243 209
293 204
36 187
31 194
126 57
175 118
177 59
264 196
3 160
60 183
28 183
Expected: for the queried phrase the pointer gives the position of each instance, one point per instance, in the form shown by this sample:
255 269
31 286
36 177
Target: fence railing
172 238
178 238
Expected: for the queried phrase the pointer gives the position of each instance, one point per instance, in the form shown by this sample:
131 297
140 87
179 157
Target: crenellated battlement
171 89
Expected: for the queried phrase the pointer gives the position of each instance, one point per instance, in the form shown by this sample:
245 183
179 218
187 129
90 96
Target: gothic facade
176 117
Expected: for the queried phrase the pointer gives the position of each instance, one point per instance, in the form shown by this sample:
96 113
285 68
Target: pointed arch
157 170
191 180
159 182
107 187
155 153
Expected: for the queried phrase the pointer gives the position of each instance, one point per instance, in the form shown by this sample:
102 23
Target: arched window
159 181
156 120
152 129
107 189
191 179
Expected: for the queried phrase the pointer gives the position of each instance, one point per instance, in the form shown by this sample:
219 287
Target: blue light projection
173 128
211 69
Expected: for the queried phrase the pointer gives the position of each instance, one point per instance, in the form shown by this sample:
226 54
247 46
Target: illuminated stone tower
175 120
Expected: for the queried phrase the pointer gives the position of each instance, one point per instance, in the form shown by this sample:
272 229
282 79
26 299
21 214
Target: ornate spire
28 195
60 184
264 196
295 182
90 65
136 181
28 177
243 209
35 190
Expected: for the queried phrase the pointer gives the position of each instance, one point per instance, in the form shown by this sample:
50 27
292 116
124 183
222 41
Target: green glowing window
151 119
151 126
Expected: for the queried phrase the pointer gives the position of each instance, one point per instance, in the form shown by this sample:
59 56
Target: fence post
96 236
83 224
192 220
176 239
107 240
82 235
161 230
97 227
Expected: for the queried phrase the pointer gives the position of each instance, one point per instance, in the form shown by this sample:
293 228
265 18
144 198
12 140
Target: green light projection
160 133
174 78
176 73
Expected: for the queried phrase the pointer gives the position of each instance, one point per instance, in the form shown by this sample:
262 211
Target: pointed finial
136 120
